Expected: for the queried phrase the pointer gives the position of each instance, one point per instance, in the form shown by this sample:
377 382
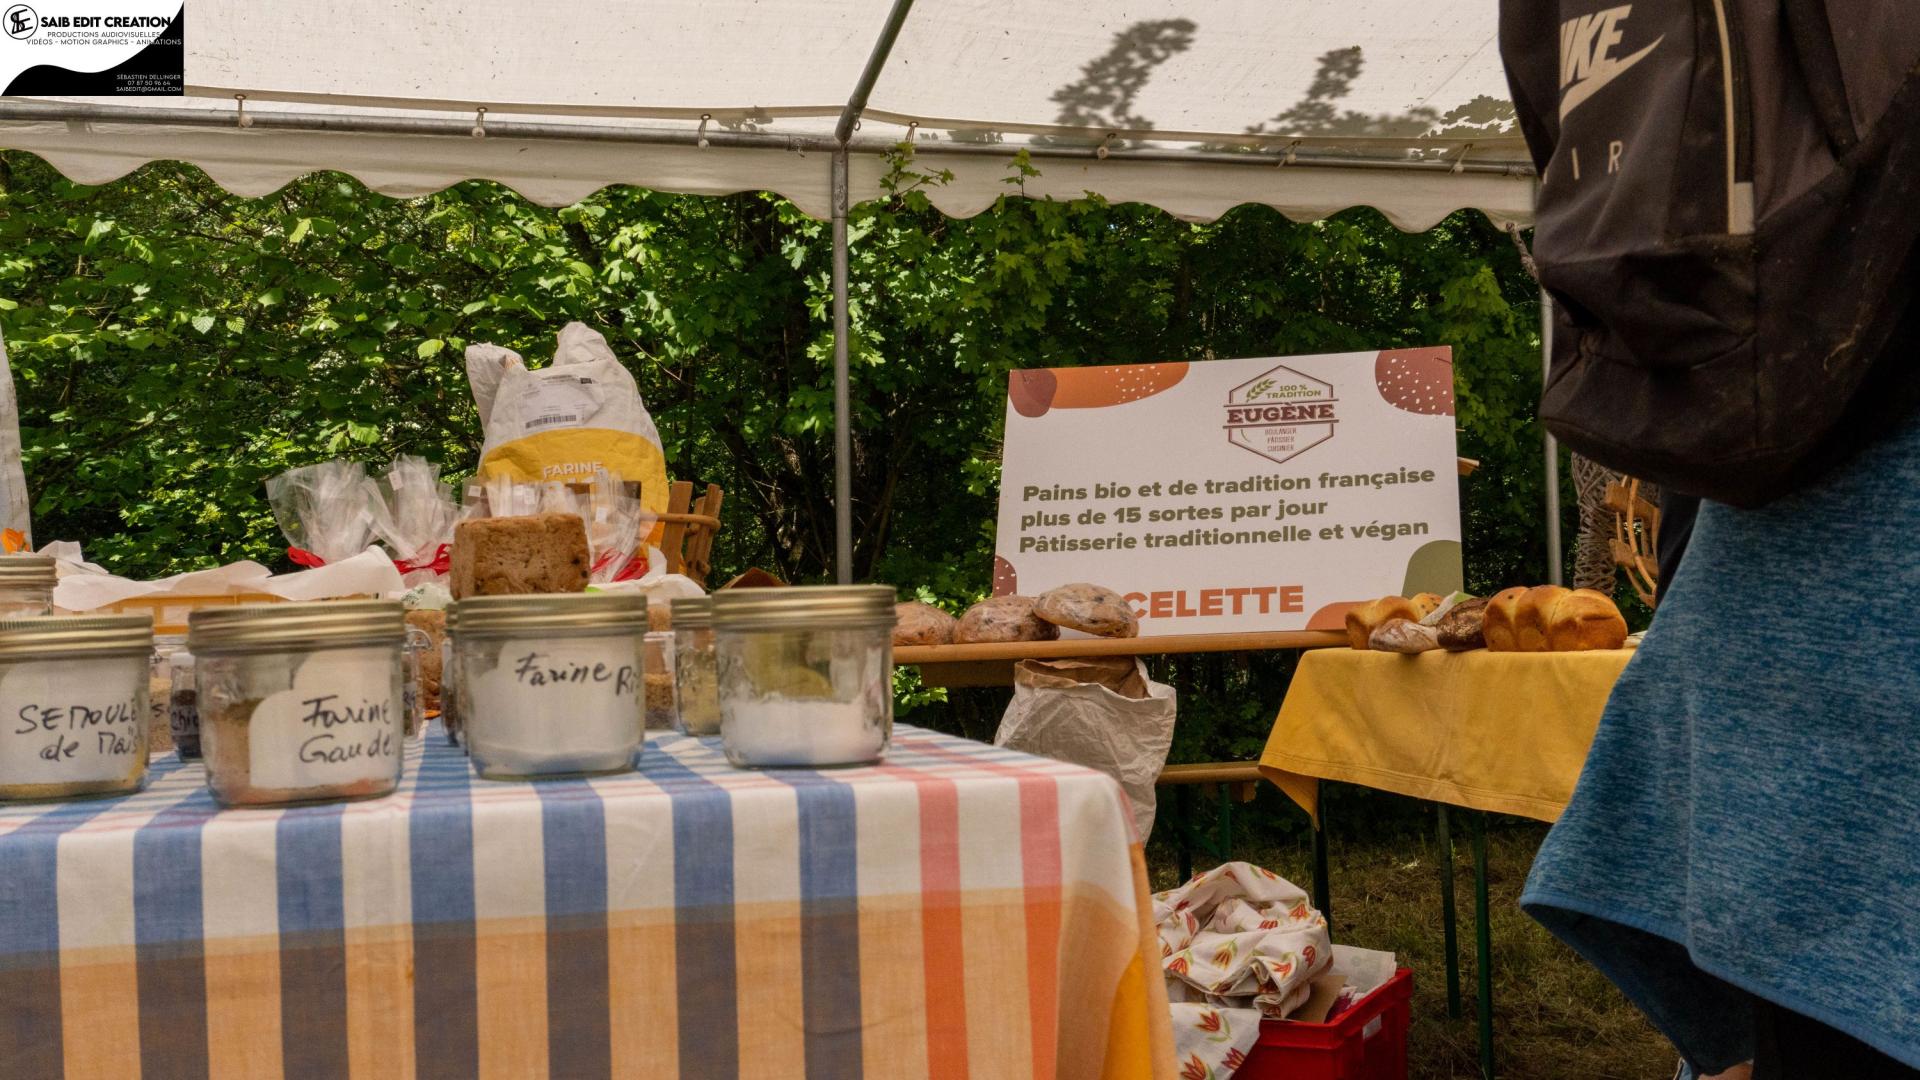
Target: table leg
1183 829
1322 887
1483 943
1447 913
1226 823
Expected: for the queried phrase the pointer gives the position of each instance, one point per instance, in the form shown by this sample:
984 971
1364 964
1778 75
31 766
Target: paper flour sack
564 422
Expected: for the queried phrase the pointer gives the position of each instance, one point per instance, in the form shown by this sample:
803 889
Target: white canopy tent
1304 106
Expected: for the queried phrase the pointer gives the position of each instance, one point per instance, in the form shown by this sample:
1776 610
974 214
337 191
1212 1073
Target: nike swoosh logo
1603 73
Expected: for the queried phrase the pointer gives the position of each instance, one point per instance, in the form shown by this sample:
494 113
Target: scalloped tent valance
1302 105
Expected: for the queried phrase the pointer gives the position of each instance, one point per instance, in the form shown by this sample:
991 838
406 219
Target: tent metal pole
876 62
1552 445
842 397
842 377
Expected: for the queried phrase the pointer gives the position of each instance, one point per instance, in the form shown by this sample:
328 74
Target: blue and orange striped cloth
961 911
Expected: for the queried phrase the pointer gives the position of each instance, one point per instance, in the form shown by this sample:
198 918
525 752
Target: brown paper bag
1102 713
1120 674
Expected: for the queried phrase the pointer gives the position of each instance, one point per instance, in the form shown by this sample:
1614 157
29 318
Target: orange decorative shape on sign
1113 384
1416 380
1333 616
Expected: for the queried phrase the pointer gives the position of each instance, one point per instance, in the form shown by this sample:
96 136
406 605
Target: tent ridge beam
499 128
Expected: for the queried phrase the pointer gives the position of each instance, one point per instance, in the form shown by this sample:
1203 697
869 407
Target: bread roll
922 624
1003 618
1404 636
1531 615
1091 609
1463 627
1502 614
1427 603
1583 620
1362 621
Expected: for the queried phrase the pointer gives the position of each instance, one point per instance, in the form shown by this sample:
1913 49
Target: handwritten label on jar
71 721
339 724
558 698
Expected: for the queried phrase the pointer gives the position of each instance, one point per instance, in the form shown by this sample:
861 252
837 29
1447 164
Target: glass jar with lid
415 709
662 709
550 685
805 674
160 686
26 584
183 704
450 681
74 693
300 702
696 676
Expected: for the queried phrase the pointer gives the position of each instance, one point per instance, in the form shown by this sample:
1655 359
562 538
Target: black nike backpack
1729 201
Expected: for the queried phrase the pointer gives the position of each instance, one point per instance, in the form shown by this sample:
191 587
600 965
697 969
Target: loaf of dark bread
1464 626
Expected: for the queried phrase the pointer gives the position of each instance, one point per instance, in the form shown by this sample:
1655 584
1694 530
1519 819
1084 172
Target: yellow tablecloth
1505 732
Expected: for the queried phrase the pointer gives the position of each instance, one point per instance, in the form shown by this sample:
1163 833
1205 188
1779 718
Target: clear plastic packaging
300 702
325 510
414 513
74 692
549 685
183 704
696 673
805 675
616 520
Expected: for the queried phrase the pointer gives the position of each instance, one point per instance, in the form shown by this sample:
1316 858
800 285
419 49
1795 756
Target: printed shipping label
556 400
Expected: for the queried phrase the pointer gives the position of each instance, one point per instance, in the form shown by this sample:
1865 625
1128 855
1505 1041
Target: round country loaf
1090 609
1001 619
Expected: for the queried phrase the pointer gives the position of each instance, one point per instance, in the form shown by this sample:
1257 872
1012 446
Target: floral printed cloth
1237 943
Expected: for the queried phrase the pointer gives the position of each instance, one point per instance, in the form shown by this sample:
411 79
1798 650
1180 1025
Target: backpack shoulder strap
1812 40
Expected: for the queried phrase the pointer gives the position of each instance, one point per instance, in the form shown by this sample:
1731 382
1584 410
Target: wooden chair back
1636 537
690 530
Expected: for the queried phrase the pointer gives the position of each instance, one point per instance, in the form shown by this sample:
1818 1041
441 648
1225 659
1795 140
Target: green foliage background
175 345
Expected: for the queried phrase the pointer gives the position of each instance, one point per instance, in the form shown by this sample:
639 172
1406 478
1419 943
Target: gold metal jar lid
566 613
804 607
42 636
275 627
27 570
692 612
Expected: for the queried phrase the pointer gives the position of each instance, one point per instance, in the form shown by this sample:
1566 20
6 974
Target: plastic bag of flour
566 422
16 520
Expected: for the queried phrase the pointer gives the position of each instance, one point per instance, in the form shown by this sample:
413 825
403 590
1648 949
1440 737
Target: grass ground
1555 1017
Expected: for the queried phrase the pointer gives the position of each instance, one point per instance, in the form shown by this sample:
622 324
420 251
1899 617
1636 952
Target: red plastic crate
1367 1042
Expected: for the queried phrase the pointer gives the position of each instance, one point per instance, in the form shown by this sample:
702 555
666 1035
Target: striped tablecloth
960 911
